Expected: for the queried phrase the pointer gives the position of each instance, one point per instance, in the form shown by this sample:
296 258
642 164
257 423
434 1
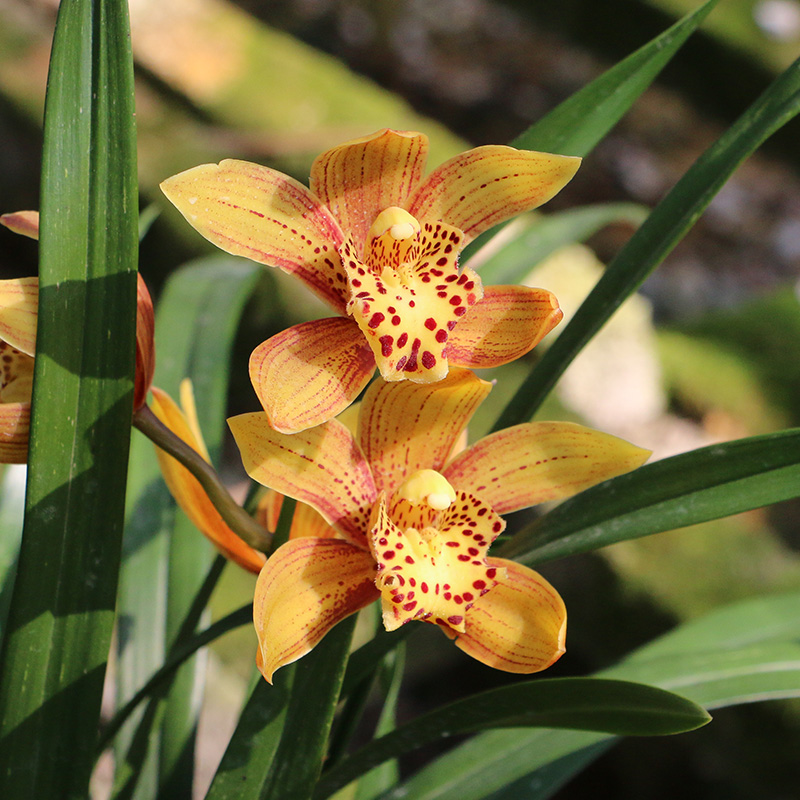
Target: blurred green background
706 353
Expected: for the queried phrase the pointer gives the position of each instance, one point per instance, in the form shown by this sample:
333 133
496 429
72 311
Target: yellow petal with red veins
259 213
509 322
26 223
323 467
305 522
19 311
520 625
405 427
15 423
407 313
437 573
308 373
306 587
482 187
188 492
527 464
359 179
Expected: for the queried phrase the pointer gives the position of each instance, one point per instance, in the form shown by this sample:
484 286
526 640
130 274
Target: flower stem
237 519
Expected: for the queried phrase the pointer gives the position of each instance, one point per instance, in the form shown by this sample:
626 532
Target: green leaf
744 652
196 322
651 243
617 707
387 774
578 124
62 610
315 693
705 484
582 120
244 767
525 245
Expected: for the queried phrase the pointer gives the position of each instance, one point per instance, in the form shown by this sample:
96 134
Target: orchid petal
509 322
527 464
482 187
145 346
323 467
359 179
16 375
306 587
188 492
19 312
305 522
407 426
308 373
15 423
25 223
437 573
518 626
407 314
257 212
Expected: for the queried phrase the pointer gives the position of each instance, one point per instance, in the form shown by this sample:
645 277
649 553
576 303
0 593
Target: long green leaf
651 243
579 123
62 610
694 487
744 652
511 260
595 704
245 766
196 321
315 693
582 120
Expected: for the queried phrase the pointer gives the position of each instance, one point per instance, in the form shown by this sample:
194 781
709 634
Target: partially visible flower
185 488
409 519
380 245
19 308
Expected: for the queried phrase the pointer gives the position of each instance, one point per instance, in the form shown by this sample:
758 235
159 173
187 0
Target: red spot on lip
430 323
376 319
401 342
395 320
441 336
455 619
428 360
479 585
490 573
460 311
386 345
388 555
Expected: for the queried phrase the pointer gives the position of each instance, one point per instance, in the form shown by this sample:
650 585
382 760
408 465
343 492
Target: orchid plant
371 497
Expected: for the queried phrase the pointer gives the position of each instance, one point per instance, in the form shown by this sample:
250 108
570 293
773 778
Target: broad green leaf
62 609
662 230
744 652
510 256
582 120
315 693
578 124
196 322
705 484
616 707
244 767
385 775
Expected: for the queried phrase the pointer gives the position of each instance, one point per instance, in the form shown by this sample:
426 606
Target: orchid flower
409 520
19 310
379 243
186 489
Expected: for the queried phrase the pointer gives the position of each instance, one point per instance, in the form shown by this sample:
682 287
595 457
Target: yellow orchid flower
19 311
380 244
186 489
412 522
